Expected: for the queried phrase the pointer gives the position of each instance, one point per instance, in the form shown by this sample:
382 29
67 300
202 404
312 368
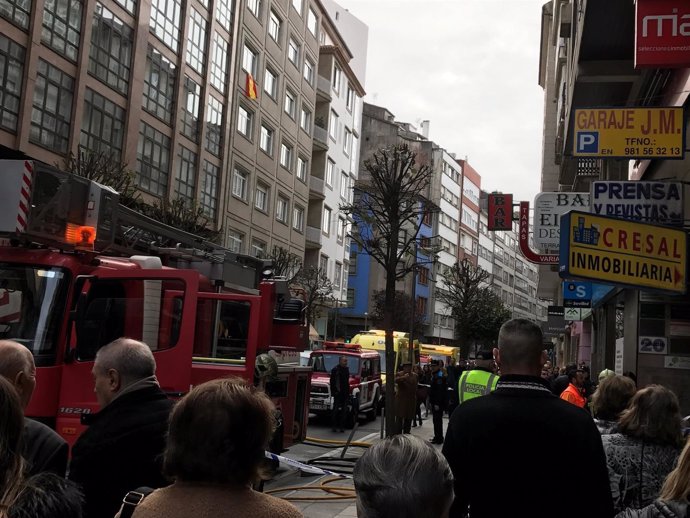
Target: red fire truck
78 269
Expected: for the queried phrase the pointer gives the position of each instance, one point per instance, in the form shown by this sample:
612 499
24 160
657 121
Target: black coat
438 393
121 450
499 446
43 449
657 509
340 382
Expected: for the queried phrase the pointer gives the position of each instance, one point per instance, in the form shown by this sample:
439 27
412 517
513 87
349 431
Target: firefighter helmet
266 366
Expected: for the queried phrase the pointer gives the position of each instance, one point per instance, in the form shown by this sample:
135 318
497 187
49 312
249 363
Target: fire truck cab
78 270
365 380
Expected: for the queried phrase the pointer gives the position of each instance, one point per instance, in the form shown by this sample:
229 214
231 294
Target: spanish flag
251 87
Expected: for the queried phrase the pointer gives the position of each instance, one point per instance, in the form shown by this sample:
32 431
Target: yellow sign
618 251
629 132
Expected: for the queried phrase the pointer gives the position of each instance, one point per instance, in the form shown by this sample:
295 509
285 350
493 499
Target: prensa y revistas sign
617 251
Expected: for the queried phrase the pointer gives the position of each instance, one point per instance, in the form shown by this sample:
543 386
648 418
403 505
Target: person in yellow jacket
479 381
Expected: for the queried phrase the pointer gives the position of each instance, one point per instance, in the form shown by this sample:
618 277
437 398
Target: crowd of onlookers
622 448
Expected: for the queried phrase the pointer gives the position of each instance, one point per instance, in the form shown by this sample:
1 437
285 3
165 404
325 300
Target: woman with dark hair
11 461
611 397
216 442
645 451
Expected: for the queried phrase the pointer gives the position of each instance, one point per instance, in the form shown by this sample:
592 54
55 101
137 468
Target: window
271 83
214 127
266 140
165 21
153 160
312 22
338 274
209 189
274 24
223 13
16 11
423 275
333 126
352 270
301 169
350 99
219 62
244 121
286 156
330 169
128 5
298 218
305 119
290 103
62 26
196 42
235 241
239 183
347 142
254 7
323 264
185 179
326 223
159 85
470 218
249 60
336 79
344 185
293 52
258 248
422 306
282 208
52 108
110 54
297 4
261 197
190 109
102 126
309 71
340 230
11 73
470 191
350 297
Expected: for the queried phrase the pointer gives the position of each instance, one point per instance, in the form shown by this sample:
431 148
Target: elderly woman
403 477
217 438
645 451
612 396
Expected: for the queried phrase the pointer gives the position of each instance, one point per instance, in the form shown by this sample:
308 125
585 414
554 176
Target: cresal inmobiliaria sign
662 33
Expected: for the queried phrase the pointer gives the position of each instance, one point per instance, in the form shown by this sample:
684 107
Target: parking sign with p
587 142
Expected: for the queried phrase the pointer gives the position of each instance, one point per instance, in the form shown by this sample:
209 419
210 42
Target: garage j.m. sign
623 252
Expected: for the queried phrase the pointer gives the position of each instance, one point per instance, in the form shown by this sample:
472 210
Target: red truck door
157 307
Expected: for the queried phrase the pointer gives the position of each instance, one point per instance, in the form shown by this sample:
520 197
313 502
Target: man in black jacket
340 390
42 448
438 399
122 448
495 444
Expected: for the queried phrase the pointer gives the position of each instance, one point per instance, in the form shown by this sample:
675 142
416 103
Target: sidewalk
341 508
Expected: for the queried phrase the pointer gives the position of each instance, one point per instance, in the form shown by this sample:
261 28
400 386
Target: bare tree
388 210
477 310
316 289
405 307
285 263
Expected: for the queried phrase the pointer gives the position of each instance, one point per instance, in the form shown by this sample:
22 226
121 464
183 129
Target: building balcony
320 139
323 89
316 187
313 237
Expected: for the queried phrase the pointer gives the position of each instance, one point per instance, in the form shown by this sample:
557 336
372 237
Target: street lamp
366 317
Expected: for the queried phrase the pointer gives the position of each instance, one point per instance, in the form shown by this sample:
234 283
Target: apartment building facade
335 163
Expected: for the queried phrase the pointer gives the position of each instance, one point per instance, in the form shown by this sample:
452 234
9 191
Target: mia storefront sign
623 252
629 132
662 33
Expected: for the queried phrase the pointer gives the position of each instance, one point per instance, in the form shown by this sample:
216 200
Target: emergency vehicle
365 380
375 340
78 270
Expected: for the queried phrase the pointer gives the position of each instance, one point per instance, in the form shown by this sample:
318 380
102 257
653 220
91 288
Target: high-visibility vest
475 383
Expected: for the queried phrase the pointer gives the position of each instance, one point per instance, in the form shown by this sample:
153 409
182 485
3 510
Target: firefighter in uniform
479 381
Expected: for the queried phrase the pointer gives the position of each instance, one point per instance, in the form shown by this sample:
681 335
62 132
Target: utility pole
413 316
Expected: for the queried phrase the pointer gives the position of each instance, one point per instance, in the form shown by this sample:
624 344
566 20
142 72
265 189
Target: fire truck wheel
296 429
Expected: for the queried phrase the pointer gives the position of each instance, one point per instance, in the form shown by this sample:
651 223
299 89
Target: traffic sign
623 252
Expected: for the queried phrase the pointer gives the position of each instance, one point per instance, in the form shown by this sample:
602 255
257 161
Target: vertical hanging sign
500 212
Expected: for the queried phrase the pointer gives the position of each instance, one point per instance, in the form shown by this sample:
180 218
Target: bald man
43 449
122 448
495 444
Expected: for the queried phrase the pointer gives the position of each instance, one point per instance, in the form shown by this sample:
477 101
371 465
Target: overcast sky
471 68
